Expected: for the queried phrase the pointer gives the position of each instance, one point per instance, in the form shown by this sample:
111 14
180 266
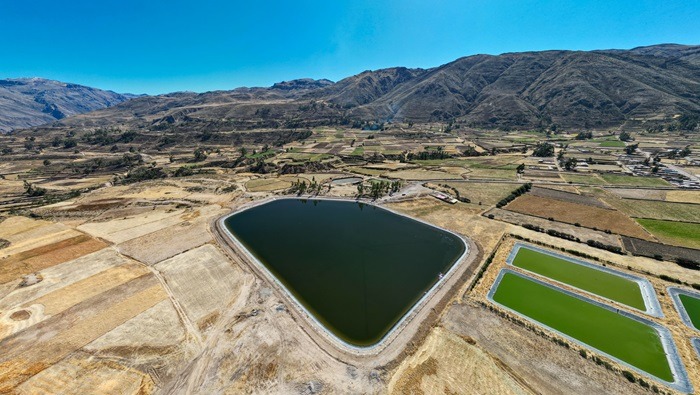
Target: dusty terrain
125 287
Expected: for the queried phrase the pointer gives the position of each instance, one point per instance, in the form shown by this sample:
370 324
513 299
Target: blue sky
143 46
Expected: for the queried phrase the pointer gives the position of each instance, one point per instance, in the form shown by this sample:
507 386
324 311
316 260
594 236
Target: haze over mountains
593 89
27 102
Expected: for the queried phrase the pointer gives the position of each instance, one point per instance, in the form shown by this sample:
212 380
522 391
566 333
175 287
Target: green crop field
612 143
653 209
692 307
617 179
582 277
680 233
617 335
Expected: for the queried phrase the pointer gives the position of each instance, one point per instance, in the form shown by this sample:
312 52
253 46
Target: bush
144 173
629 376
688 263
670 279
602 246
183 171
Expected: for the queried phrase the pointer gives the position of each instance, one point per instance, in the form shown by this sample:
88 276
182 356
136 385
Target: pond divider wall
301 308
653 308
681 381
675 293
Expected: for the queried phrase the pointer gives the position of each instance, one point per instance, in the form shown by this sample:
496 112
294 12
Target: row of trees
378 189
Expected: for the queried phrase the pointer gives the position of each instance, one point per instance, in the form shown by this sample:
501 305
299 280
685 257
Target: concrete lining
675 292
343 345
681 381
696 343
653 307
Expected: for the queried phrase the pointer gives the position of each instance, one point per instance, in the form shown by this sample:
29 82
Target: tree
543 149
199 155
360 189
629 150
520 169
584 135
570 164
47 162
624 136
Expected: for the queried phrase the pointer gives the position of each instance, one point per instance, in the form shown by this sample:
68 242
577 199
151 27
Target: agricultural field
669 211
483 193
574 213
684 234
116 278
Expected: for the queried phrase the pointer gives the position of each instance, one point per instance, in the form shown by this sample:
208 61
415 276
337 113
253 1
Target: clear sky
148 46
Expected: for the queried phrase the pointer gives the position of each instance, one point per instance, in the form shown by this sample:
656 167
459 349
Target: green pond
692 307
595 281
629 340
357 268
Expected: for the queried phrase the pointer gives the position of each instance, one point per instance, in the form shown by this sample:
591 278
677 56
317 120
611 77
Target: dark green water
357 268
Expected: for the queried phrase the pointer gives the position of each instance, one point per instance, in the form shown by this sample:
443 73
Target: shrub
688 263
670 279
629 376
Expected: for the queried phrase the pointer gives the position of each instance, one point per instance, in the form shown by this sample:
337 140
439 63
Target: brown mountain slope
27 102
567 88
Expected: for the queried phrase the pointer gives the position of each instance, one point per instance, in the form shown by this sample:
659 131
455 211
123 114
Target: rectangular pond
356 268
688 305
600 281
639 343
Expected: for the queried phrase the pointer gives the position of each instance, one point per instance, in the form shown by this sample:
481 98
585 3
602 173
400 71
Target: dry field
125 290
572 213
669 211
422 174
582 233
449 364
678 196
486 193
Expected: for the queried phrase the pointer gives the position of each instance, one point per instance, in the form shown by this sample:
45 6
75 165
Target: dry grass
449 364
488 193
669 211
421 174
572 213
46 256
267 185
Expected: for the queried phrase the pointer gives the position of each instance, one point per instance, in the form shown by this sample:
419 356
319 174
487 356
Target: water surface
357 268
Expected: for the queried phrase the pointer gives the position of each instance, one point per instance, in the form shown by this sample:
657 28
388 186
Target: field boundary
675 293
681 380
653 307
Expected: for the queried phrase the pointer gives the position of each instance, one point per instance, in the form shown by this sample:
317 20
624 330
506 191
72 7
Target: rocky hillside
27 102
596 89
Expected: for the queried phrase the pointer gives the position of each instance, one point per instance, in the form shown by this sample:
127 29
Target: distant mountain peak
27 102
302 83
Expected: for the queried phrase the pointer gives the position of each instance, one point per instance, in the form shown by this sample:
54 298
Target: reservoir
357 268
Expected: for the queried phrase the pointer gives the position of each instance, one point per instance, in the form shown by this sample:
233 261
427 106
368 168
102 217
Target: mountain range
27 102
573 89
